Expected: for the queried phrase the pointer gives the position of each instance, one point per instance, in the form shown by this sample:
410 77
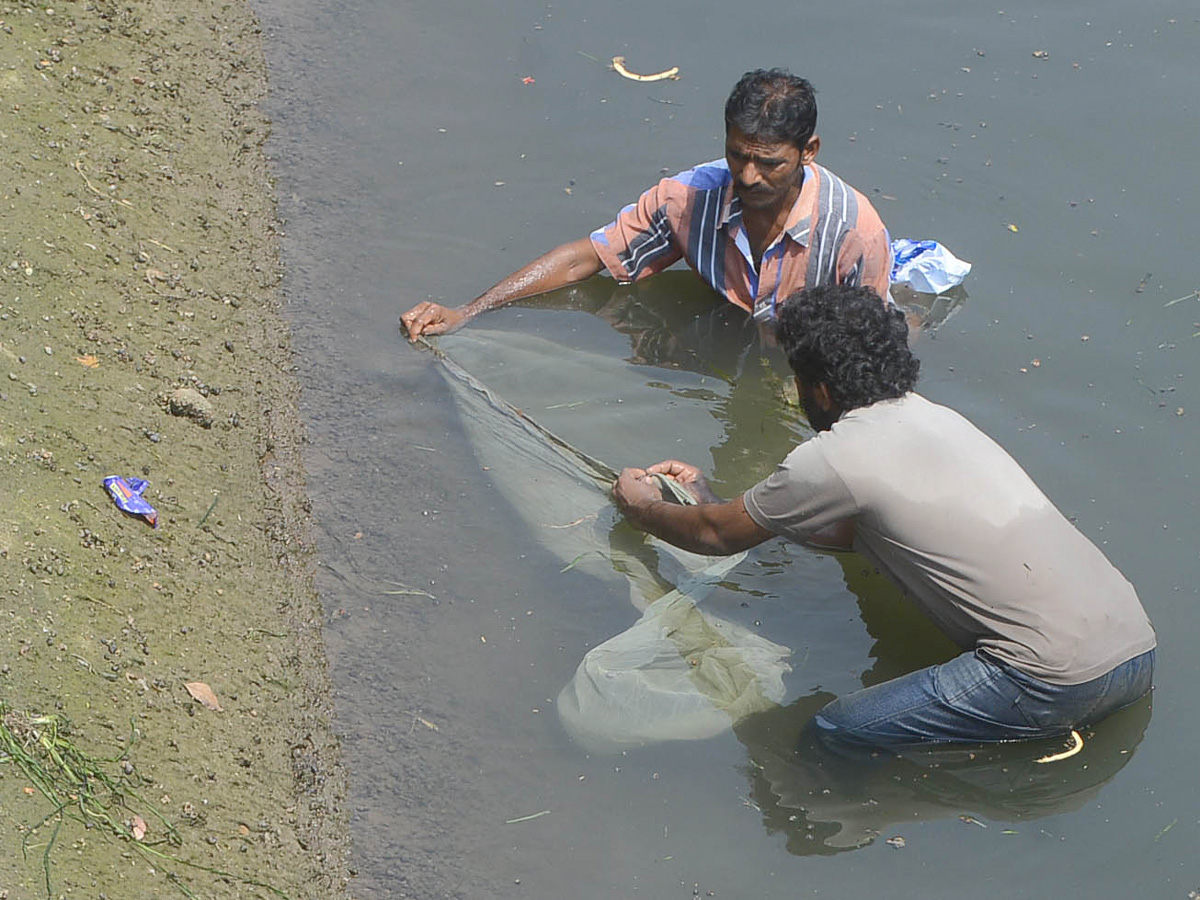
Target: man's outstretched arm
713 526
565 264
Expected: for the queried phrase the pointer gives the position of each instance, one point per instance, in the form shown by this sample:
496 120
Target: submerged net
678 672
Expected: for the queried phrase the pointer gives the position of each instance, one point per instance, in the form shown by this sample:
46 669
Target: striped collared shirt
833 235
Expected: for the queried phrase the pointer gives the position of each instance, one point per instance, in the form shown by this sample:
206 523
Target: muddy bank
138 259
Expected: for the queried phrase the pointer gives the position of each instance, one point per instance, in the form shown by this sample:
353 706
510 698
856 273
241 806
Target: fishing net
678 672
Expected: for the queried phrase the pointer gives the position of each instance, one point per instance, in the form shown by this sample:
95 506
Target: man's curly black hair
850 340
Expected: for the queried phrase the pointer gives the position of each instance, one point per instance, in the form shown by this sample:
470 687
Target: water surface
414 162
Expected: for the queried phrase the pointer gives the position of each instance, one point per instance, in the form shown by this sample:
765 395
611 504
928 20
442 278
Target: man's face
766 174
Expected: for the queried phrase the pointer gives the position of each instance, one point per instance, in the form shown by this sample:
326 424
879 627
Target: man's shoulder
834 192
910 414
831 177
910 405
916 431
706 176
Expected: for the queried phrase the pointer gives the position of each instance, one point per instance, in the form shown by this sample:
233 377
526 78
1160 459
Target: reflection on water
823 803
675 321
832 799
904 639
829 799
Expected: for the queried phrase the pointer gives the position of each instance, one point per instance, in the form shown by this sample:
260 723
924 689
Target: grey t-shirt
948 514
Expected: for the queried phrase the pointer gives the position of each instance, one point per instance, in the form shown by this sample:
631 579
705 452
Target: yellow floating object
1076 746
618 64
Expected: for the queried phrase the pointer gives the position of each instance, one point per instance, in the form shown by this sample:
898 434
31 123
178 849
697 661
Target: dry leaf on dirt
203 693
138 828
90 361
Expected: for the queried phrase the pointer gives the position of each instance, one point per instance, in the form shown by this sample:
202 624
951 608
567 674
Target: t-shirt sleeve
802 496
641 241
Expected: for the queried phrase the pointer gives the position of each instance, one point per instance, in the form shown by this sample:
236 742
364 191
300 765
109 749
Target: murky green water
414 163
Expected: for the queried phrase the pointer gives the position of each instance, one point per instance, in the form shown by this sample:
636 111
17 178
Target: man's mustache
757 189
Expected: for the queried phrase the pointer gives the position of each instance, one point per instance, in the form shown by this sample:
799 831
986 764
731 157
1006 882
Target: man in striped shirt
756 226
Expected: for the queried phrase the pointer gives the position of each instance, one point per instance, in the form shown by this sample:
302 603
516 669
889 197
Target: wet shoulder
704 177
907 431
838 197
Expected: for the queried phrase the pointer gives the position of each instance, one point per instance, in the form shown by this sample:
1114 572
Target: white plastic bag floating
926 266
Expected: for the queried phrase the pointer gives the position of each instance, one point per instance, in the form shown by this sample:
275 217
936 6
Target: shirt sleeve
865 257
802 496
642 240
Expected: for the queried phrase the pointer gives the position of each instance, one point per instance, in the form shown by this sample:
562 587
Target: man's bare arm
565 264
719 528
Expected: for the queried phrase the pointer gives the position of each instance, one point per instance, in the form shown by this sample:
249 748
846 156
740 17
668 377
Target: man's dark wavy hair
850 340
774 105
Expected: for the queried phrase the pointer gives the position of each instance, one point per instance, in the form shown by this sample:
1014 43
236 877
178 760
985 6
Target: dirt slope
138 258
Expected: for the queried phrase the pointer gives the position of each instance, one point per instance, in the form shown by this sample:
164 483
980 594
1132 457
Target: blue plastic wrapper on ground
127 494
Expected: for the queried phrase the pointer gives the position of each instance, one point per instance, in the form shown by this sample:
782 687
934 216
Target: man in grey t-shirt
1054 636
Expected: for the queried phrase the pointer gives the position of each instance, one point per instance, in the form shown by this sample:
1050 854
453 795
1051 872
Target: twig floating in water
405 591
1170 825
572 563
536 815
430 725
578 521
618 64
1194 295
1076 746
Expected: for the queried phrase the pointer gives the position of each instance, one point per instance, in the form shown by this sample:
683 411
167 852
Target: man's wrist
641 512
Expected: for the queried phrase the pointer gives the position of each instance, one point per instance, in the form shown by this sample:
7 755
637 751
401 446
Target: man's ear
811 149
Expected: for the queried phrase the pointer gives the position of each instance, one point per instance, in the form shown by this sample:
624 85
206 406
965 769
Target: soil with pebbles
140 336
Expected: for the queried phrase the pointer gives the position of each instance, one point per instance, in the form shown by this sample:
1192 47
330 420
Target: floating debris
618 64
1076 746
536 815
1194 295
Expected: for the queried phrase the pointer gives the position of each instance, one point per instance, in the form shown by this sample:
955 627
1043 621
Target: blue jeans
978 699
